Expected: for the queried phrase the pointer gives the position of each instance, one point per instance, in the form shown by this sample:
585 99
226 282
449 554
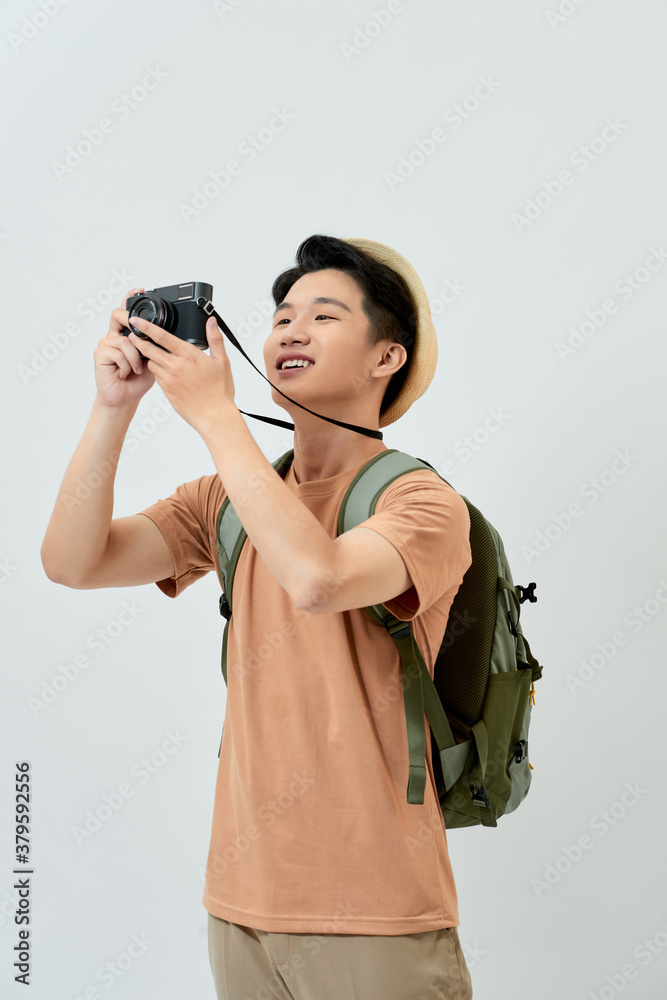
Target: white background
533 923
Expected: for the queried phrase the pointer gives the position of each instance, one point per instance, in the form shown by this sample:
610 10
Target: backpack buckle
225 610
512 625
519 751
527 593
395 627
479 796
401 632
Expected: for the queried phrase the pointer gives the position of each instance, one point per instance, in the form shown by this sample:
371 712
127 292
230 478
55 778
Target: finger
166 341
132 291
119 322
150 350
118 327
212 327
114 356
216 341
128 349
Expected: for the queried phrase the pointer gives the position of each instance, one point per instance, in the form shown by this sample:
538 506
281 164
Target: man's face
332 334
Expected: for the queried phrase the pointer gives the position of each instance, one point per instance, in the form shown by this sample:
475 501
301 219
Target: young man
322 881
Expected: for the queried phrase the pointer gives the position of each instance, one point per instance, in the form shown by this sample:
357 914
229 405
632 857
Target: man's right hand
120 372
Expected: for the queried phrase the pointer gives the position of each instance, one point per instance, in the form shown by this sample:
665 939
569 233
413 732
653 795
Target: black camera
175 309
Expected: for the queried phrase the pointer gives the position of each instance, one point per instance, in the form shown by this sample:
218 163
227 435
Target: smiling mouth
295 368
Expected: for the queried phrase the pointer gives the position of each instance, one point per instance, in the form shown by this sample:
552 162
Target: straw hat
425 350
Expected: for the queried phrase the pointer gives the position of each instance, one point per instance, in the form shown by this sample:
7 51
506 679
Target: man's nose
296 330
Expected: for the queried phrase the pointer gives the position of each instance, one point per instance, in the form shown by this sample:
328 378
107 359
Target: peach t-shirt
312 830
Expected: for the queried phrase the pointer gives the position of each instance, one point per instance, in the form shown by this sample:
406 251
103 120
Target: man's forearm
288 537
78 531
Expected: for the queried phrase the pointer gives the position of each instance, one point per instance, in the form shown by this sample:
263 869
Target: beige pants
250 964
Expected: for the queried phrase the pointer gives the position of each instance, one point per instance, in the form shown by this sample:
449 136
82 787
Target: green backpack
479 703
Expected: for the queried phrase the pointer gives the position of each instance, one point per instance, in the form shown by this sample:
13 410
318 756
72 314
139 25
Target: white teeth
295 363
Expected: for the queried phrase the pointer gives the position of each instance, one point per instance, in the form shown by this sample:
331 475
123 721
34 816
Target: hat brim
425 350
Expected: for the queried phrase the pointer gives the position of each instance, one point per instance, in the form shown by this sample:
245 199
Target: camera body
173 308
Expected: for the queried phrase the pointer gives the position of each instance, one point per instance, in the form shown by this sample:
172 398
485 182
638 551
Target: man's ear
394 356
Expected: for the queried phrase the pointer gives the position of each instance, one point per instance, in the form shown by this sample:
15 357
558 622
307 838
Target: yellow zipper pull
532 693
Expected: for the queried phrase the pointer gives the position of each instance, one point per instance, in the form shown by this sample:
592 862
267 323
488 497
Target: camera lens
155 310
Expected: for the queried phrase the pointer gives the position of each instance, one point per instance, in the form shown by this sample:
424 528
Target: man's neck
314 463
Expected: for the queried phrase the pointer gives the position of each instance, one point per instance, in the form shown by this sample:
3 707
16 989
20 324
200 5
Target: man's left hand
199 387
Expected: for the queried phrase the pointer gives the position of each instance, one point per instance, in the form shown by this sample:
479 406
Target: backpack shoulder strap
369 484
230 536
420 694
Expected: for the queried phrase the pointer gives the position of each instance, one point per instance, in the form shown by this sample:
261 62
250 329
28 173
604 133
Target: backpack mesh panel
462 666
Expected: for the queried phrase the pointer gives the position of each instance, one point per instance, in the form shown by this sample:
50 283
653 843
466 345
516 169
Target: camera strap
207 306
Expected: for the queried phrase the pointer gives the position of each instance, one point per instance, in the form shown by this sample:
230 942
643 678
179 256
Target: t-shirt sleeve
428 523
187 520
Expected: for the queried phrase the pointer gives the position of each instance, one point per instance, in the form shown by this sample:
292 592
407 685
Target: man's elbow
64 580
318 597
52 570
306 601
314 604
57 573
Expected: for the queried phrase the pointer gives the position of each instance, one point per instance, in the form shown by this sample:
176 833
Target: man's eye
321 316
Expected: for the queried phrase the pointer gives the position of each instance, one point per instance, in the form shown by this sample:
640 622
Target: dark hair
386 298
